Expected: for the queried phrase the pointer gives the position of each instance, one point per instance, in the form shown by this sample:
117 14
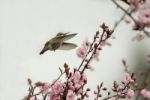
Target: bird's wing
67 46
62 34
66 36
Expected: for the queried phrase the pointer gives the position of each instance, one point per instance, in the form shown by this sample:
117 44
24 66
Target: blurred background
25 26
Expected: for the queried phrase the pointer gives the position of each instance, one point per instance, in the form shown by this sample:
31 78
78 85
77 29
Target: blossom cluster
145 93
73 87
138 12
126 89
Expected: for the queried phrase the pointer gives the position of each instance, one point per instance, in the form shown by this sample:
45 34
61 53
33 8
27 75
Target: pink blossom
96 54
56 91
55 97
70 95
77 77
134 4
76 82
33 98
138 37
119 88
145 5
119 93
137 4
83 78
145 93
88 66
71 85
104 43
86 43
81 52
144 18
44 88
130 93
127 78
58 88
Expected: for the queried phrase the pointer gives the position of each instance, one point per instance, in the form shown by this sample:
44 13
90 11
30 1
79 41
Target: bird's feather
67 46
66 37
55 45
61 33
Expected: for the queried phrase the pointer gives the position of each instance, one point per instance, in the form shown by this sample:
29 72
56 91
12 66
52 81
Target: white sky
25 25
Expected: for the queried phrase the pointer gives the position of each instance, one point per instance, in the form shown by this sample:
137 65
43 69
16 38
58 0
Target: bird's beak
41 52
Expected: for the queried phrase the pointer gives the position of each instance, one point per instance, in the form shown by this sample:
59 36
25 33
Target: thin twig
144 81
117 23
130 15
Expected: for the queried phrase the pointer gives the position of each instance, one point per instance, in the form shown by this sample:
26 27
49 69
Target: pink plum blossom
77 76
138 37
81 52
127 78
70 95
58 88
145 93
104 43
76 81
33 98
144 18
56 91
88 66
134 4
86 44
130 93
45 87
55 97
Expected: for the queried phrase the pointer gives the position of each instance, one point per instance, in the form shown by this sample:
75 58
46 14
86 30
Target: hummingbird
58 42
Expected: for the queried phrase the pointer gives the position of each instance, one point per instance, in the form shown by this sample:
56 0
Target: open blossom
55 97
144 5
70 95
104 43
134 4
130 93
89 66
86 43
58 88
81 52
33 98
56 91
127 78
76 82
138 37
79 79
137 4
144 17
76 77
145 93
45 87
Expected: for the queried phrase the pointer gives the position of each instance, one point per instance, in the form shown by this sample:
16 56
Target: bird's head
46 47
